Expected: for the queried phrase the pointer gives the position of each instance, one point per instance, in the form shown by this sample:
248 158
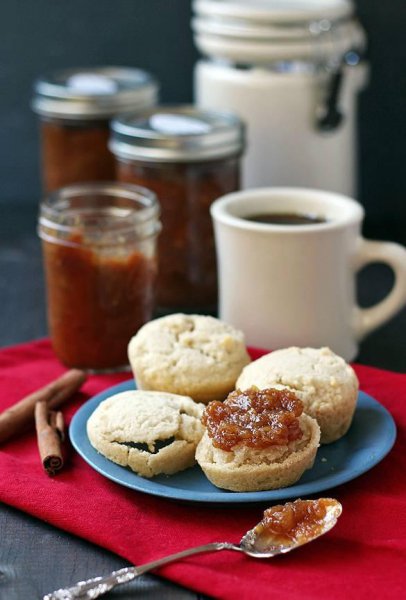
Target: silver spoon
257 542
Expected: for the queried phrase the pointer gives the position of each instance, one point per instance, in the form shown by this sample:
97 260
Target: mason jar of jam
75 107
188 157
99 248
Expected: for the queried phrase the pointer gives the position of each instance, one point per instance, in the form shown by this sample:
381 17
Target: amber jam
255 418
75 107
99 246
189 157
296 522
96 303
187 275
75 152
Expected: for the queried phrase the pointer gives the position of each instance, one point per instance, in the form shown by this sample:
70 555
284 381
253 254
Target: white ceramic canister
291 69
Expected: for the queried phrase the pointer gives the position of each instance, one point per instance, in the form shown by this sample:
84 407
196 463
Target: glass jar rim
143 215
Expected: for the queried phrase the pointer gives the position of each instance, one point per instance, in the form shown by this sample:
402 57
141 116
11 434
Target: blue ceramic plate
370 438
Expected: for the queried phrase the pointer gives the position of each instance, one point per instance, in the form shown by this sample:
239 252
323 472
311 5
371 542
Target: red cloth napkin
363 557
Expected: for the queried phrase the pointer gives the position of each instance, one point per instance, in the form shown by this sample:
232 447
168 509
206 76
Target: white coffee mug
285 285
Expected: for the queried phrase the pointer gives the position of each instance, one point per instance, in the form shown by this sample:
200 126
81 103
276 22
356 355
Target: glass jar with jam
75 107
99 247
188 157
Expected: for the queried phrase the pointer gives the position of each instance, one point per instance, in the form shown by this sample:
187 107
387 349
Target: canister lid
100 92
177 134
267 30
286 11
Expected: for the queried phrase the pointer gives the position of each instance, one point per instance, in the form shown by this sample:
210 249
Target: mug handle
394 255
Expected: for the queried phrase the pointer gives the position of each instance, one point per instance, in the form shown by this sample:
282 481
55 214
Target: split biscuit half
149 432
251 470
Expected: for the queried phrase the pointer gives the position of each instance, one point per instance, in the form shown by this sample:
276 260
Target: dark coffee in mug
286 219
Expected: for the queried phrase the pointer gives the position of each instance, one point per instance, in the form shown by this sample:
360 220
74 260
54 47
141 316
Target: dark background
41 35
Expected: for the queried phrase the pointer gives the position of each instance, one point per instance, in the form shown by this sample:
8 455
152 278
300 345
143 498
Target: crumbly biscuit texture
193 355
150 432
325 383
250 470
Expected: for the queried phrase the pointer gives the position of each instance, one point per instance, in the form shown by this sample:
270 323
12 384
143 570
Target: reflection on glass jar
99 244
75 107
188 158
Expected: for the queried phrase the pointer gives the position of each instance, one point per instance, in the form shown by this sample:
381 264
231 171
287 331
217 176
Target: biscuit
150 432
326 384
251 470
193 355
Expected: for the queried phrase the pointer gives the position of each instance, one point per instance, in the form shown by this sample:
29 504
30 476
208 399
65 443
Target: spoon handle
93 588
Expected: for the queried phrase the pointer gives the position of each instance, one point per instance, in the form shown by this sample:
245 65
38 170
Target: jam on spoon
283 528
290 525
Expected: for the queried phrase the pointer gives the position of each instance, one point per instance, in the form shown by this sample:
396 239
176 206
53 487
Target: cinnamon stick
18 417
57 421
49 426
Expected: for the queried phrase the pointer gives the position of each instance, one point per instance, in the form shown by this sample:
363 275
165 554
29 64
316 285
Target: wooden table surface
35 558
